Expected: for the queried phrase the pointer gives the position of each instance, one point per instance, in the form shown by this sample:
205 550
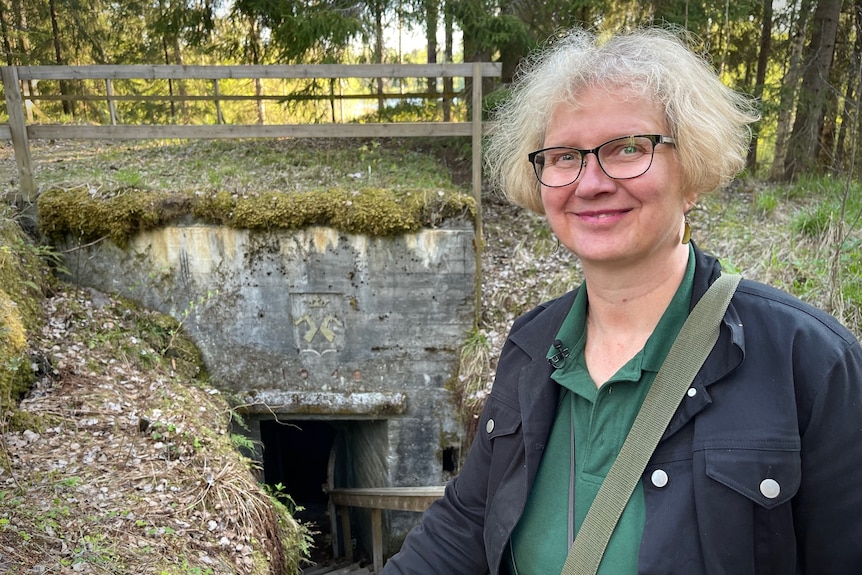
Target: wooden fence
20 100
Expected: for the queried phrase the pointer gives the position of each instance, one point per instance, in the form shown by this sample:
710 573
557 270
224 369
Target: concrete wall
316 323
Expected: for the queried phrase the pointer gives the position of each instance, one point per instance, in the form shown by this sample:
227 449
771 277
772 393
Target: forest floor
128 467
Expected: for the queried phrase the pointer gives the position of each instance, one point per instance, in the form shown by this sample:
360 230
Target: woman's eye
565 159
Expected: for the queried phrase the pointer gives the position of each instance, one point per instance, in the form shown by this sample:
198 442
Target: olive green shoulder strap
685 358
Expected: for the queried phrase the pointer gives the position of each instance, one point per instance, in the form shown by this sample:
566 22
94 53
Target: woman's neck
627 297
624 309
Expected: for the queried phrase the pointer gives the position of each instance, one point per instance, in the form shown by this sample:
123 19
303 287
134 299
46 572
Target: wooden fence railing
20 100
416 499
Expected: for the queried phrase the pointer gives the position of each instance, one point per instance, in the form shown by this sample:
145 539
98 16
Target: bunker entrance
306 457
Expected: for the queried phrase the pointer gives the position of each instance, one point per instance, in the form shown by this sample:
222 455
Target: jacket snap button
659 478
489 427
691 392
770 488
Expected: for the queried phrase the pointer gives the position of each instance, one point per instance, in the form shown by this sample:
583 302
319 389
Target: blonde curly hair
708 120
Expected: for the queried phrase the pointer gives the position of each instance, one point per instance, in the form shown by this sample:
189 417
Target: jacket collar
729 351
535 336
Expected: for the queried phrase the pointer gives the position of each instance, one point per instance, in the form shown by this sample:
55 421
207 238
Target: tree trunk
5 29
22 44
850 111
378 52
170 81
254 44
788 91
58 56
448 84
760 75
805 139
23 47
432 16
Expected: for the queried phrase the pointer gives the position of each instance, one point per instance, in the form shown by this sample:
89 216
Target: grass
802 238
237 166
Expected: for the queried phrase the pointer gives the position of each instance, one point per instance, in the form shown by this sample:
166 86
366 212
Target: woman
760 469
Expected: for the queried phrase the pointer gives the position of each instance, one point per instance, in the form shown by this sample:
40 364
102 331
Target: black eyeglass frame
655 139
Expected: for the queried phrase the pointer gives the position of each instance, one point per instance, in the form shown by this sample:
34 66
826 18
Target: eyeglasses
621 159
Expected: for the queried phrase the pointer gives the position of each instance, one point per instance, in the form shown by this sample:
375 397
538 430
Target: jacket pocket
500 419
500 429
768 477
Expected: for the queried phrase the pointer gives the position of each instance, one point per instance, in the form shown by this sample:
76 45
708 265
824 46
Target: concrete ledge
322 403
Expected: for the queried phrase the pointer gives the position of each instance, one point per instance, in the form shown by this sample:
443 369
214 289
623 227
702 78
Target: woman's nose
593 180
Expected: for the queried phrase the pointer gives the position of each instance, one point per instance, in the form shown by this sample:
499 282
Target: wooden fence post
112 106
479 235
18 129
217 93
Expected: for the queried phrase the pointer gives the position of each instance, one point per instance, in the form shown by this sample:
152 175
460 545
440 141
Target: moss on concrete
23 279
120 214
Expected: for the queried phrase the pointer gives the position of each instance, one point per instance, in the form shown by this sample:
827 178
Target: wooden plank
476 108
345 532
164 132
377 539
114 72
5 132
18 133
416 499
242 98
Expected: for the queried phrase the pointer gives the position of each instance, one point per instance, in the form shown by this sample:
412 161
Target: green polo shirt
601 418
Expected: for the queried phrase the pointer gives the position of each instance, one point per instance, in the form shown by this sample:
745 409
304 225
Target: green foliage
829 199
803 238
244 444
295 538
469 386
815 221
487 30
491 101
302 31
766 202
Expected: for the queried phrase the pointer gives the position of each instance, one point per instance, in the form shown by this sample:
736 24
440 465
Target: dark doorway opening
296 457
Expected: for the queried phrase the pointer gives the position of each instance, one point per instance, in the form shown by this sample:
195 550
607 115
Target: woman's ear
689 202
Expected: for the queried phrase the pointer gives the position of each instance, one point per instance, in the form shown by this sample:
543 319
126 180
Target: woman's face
616 222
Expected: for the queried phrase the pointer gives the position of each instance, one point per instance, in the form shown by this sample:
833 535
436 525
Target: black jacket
763 458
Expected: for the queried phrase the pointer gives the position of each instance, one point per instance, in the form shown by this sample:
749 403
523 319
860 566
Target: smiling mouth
602 215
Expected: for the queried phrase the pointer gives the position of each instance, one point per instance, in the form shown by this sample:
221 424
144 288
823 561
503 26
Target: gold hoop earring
686 231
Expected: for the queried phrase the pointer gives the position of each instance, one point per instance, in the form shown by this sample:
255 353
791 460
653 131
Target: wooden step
336 569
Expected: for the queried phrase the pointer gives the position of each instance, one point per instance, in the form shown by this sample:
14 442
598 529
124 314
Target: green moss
373 212
23 277
276 210
370 211
117 215
14 379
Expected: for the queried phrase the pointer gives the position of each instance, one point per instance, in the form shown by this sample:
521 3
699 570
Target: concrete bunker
352 339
